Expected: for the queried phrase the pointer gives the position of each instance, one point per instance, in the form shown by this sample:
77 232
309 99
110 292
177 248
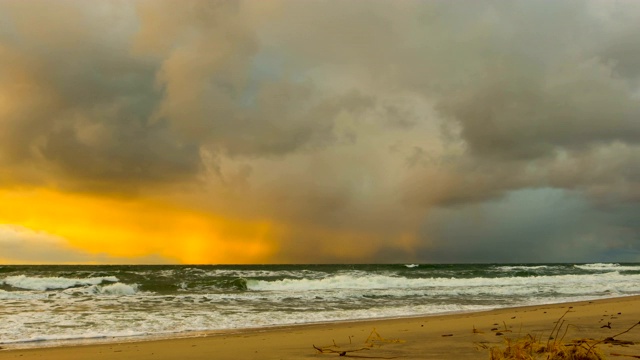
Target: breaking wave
531 284
522 267
52 283
116 289
607 267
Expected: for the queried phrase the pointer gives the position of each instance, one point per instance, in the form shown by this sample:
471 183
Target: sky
359 131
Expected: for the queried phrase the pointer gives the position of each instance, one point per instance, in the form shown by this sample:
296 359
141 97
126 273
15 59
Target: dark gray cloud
79 104
522 82
542 225
136 105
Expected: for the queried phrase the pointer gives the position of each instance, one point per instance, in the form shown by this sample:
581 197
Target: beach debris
476 331
606 326
374 337
609 339
626 355
373 340
447 335
335 348
500 332
328 349
613 341
505 327
530 347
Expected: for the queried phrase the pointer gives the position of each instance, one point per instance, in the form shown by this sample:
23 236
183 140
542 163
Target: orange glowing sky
313 132
125 228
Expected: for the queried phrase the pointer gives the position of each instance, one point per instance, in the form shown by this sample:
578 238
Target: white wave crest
411 265
598 266
607 267
462 285
53 283
333 282
119 289
521 267
259 273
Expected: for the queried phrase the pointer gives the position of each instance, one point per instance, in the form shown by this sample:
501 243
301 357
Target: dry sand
434 337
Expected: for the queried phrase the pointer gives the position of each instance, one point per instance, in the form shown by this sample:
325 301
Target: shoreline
442 336
102 340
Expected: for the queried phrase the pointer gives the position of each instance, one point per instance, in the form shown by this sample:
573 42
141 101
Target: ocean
53 305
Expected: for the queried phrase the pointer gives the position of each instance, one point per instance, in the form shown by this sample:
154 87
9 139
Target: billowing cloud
76 105
361 128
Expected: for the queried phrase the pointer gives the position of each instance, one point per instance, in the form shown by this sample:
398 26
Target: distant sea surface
52 305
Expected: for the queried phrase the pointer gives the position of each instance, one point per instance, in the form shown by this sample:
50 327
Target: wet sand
434 337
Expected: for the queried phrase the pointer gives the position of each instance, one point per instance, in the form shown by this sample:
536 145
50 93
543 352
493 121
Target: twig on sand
612 338
345 353
373 339
325 350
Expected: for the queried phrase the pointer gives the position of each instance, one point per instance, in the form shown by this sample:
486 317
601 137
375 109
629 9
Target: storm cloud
370 130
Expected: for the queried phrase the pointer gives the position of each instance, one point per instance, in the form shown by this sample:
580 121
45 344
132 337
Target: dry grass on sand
554 348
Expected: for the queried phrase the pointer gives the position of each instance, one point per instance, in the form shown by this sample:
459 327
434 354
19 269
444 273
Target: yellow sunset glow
132 228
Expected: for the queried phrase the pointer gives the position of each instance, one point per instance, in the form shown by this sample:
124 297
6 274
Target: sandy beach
434 337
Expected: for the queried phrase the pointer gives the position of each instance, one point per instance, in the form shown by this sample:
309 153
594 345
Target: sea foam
607 267
52 283
565 284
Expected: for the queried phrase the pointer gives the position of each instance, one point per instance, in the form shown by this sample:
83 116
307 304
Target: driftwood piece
613 341
374 339
626 355
329 350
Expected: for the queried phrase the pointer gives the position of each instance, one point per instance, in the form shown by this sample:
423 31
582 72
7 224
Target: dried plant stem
612 337
556 325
